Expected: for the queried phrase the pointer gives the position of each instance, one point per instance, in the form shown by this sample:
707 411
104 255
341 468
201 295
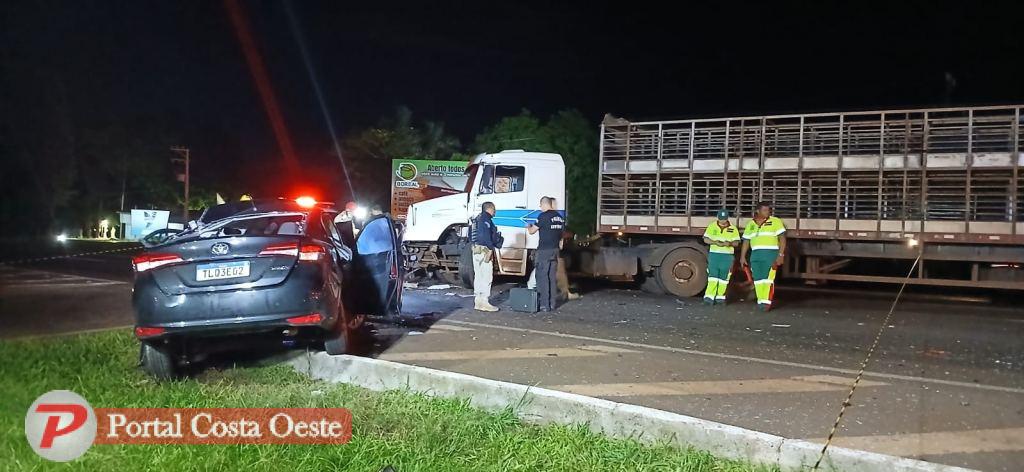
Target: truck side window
487 180
509 179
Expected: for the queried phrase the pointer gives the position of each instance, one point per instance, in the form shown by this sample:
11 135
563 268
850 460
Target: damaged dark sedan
272 270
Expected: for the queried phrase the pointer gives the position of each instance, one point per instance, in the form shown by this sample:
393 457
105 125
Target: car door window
375 238
327 220
343 251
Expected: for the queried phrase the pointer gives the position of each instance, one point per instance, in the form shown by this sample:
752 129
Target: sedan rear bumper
231 311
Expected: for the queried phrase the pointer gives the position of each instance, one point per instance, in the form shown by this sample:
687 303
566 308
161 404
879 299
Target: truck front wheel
466 272
683 272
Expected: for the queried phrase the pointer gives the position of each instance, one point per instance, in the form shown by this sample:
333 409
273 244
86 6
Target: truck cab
437 231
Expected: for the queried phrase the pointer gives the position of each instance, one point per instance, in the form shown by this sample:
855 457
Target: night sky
179 62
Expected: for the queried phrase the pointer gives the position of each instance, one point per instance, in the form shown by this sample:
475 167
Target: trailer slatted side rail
890 172
946 175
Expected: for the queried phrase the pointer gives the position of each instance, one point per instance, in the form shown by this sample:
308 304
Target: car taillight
148 332
311 252
152 260
287 249
314 318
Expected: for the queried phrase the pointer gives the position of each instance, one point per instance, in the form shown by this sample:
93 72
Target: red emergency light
306 201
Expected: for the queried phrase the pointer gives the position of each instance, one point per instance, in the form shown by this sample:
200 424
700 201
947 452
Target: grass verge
406 430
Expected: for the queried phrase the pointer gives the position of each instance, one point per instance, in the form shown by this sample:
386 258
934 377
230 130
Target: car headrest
288 227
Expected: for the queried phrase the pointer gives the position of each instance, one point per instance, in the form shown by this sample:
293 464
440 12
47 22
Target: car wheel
336 342
158 362
684 272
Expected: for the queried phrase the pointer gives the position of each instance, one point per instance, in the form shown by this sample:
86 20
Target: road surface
946 384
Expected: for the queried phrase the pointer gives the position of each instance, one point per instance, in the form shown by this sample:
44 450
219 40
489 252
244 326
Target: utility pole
184 153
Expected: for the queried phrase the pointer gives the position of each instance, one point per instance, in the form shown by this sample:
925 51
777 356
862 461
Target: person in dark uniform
486 241
550 224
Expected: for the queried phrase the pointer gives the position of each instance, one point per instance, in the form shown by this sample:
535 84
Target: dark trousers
547 268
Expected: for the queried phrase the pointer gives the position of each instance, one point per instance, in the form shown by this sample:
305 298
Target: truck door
505 186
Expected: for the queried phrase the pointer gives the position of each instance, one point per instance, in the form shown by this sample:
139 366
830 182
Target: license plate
222 270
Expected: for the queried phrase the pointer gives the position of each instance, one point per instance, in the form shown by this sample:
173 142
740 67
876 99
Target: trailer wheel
683 273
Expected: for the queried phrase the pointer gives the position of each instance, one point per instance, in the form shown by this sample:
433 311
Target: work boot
764 307
709 301
482 304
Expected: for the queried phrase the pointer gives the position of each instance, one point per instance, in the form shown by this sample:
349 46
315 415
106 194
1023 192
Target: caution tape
864 365
67 256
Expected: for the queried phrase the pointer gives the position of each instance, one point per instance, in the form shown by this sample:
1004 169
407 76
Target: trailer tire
466 273
683 272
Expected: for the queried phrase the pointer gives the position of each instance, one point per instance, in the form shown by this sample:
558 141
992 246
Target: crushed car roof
260 205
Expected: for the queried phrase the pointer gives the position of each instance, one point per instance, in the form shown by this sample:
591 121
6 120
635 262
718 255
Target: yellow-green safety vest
766 235
719 234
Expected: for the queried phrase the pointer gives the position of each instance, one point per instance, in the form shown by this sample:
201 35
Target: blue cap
723 214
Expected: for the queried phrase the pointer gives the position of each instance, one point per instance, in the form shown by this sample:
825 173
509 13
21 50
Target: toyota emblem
220 249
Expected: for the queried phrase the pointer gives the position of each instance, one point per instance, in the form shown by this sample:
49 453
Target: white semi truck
437 230
862 194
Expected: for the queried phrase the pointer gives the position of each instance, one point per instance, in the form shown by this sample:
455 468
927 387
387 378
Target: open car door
376 277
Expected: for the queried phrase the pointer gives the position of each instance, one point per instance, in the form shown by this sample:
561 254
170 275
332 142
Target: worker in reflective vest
723 238
765 238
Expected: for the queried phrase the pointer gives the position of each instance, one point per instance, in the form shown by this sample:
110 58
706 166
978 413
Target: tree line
61 174
368 153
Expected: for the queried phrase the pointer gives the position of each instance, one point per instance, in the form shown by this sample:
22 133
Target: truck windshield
471 172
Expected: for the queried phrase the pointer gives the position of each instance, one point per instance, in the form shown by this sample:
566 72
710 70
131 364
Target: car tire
336 340
683 272
158 362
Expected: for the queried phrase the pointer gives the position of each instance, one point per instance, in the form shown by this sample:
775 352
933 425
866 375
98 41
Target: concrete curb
540 406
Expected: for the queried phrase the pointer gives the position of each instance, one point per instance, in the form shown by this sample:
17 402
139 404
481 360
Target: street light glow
62 238
360 212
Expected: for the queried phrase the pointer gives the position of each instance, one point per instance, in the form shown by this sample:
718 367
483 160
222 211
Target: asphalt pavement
945 385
